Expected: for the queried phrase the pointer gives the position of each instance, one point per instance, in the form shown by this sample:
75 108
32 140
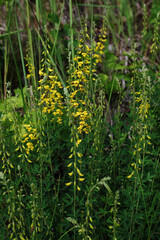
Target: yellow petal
11 165
79 154
70 174
91 226
69 165
81 179
131 175
29 161
68 184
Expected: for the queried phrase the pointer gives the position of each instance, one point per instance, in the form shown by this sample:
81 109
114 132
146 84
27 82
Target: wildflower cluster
30 67
82 75
50 87
78 112
29 142
99 46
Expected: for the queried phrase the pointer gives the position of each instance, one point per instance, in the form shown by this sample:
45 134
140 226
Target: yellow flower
78 142
32 136
81 179
28 76
110 227
50 70
70 174
78 188
29 161
69 165
51 77
79 173
17 148
41 72
84 54
131 175
30 145
68 184
79 154
91 226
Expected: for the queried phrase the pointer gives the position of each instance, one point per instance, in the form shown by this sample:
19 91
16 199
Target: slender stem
71 28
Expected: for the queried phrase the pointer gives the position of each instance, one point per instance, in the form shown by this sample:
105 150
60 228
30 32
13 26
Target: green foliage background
112 191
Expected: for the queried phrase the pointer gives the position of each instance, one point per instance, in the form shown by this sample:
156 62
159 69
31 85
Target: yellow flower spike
70 156
79 161
68 184
90 219
131 175
78 188
81 179
69 165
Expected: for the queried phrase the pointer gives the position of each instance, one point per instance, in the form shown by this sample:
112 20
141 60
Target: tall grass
79 152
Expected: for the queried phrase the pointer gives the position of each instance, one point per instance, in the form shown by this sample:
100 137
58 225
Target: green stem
71 28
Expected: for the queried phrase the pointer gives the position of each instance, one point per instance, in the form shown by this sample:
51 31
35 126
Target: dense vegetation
79 120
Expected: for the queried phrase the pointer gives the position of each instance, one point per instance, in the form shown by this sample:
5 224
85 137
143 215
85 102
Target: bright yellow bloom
70 174
131 175
69 165
68 184
78 142
29 161
81 179
79 154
